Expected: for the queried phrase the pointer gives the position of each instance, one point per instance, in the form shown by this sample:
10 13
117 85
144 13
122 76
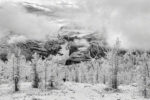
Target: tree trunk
115 65
16 81
36 77
76 77
17 75
115 73
147 70
104 80
45 75
145 90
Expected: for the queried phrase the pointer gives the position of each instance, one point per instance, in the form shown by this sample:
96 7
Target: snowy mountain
60 14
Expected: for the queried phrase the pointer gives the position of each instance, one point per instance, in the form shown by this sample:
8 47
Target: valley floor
71 91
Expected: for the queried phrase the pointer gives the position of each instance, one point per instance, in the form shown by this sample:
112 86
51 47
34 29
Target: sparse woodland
112 70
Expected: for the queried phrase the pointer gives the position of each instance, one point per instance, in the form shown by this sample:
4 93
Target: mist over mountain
123 20
23 21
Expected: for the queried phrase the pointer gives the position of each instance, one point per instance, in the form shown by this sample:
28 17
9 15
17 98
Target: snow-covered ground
70 91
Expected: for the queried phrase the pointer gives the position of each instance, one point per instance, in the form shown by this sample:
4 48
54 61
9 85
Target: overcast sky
127 19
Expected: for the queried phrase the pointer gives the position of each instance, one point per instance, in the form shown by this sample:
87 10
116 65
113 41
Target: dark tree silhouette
115 65
3 57
36 79
52 47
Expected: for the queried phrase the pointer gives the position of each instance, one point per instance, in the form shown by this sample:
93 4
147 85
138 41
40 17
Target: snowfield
71 91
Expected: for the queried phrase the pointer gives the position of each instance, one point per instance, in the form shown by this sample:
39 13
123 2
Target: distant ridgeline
82 46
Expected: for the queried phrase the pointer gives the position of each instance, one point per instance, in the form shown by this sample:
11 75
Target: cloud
16 39
132 21
16 19
126 19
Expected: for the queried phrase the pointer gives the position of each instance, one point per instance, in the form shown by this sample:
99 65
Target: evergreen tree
36 79
115 65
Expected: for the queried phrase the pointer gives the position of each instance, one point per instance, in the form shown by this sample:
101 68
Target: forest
47 68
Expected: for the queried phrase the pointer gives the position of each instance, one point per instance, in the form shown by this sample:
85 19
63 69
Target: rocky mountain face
82 44
74 43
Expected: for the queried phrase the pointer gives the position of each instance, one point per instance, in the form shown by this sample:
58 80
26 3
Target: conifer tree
35 73
115 65
145 74
16 69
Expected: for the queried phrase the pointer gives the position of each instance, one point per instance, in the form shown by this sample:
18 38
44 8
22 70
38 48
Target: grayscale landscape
74 50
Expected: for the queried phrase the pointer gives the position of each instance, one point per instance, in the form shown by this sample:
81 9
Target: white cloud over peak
126 19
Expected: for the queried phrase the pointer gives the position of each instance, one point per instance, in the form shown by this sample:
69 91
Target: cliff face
83 45
43 49
77 37
29 47
72 49
74 44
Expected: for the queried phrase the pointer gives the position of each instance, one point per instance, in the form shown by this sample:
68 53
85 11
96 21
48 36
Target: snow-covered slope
70 91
